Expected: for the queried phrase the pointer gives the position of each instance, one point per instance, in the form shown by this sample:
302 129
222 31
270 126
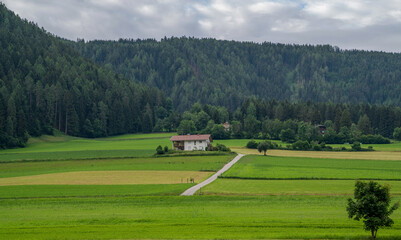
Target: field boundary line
191 191
312 178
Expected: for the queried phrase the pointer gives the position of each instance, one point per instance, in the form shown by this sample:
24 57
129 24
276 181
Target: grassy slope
252 166
182 217
65 147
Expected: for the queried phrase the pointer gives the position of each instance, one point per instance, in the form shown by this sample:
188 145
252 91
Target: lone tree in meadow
263 146
372 204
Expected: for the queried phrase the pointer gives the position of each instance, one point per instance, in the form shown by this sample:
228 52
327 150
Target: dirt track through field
107 178
391 156
191 191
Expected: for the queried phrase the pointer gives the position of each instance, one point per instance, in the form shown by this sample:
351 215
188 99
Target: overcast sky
348 24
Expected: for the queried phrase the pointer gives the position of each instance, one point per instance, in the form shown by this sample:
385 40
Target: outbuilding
192 142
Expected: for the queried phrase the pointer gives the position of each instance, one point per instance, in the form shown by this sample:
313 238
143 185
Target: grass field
111 201
376 155
269 167
107 178
241 143
211 217
57 191
141 136
288 187
190 163
64 147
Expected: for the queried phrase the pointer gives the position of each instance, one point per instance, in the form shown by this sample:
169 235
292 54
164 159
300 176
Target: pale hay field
376 155
107 178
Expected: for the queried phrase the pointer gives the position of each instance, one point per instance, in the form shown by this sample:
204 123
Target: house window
194 142
200 141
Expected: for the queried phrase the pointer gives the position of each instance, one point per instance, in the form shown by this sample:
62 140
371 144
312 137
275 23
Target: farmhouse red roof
190 137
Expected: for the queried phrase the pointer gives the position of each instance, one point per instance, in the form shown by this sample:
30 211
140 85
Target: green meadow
269 167
61 147
259 198
99 191
228 186
200 217
185 163
241 143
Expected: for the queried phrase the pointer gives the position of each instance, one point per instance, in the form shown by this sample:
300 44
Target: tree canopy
372 205
224 73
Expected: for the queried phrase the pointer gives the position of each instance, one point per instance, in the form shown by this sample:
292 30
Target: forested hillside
105 88
226 72
45 84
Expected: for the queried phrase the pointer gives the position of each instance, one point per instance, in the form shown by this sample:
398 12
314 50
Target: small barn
322 129
191 142
227 126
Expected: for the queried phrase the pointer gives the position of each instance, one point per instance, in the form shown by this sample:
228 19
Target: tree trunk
66 123
55 114
59 119
373 233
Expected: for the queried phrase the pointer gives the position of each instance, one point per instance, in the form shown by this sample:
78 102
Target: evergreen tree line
225 73
289 122
46 85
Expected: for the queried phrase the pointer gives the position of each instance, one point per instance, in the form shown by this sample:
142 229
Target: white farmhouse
191 142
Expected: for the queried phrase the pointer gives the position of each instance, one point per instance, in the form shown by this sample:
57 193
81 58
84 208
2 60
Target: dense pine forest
103 88
45 84
225 73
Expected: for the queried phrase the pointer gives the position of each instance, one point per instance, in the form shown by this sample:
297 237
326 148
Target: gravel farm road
191 191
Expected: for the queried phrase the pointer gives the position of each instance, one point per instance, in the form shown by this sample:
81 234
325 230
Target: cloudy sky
348 24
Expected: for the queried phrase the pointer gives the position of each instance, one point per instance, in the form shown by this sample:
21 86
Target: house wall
196 145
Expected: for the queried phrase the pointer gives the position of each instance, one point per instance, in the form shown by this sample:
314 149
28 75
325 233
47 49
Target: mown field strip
99 191
107 178
289 187
376 155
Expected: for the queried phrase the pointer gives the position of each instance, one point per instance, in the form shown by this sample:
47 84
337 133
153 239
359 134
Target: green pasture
82 144
211 217
269 167
288 187
394 146
81 155
243 205
185 163
57 191
61 147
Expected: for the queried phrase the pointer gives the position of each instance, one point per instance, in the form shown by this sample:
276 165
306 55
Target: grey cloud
356 24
